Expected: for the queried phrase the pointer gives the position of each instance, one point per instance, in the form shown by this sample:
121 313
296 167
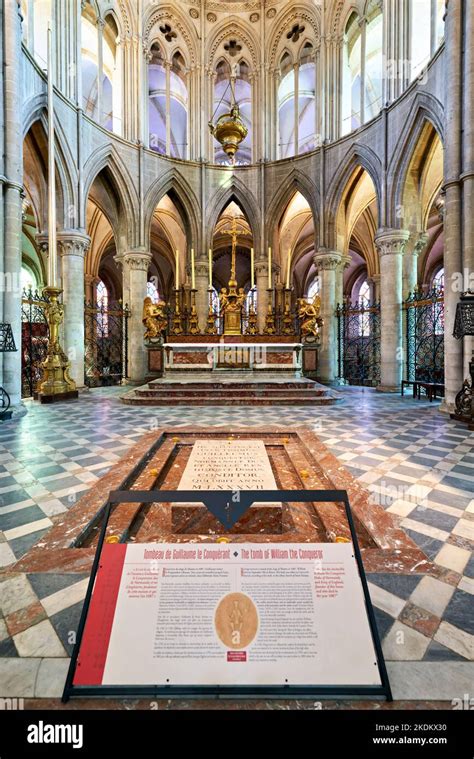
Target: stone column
90 283
453 224
344 264
391 244
73 246
201 270
374 282
327 263
261 281
11 180
135 272
410 264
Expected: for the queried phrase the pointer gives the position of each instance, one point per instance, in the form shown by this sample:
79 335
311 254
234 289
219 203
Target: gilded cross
233 232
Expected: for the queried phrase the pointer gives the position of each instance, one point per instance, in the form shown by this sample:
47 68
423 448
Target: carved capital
42 241
261 268
72 243
136 260
391 242
420 244
345 262
201 269
327 260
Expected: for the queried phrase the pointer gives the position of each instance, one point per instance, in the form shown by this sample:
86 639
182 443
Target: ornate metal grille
425 336
358 329
34 340
106 344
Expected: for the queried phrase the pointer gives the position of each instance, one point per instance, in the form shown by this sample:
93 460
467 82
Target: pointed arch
295 182
228 27
298 13
32 111
184 198
66 175
155 16
358 156
428 112
238 192
125 225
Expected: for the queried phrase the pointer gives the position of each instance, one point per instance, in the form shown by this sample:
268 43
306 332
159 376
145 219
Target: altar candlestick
252 266
288 270
210 268
193 276
176 282
269 268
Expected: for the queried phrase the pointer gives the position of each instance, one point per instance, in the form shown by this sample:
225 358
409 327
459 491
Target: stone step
228 400
234 386
225 392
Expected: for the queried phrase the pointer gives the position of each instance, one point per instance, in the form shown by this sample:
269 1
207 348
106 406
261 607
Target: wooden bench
431 389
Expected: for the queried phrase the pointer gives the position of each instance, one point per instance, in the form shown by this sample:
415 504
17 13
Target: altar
235 343
232 354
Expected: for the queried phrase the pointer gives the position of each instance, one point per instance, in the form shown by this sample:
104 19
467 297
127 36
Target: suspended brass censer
229 128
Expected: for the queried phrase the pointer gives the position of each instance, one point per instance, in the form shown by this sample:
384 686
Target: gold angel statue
309 316
154 318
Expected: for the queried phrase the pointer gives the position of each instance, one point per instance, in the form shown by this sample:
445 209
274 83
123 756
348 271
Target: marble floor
416 462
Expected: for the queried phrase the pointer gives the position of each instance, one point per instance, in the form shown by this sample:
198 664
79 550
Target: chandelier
229 129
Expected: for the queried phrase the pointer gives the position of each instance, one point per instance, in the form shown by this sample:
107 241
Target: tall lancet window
364 304
35 28
286 108
352 76
297 103
111 77
102 300
306 100
101 66
90 62
178 110
362 68
168 103
426 32
157 100
373 80
236 75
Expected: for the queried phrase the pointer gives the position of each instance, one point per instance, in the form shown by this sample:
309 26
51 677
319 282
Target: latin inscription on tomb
228 465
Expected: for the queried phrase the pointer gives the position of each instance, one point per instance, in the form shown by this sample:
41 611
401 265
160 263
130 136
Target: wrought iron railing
358 331
424 325
34 339
106 344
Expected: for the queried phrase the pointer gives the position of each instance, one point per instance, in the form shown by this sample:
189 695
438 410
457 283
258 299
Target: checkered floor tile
418 464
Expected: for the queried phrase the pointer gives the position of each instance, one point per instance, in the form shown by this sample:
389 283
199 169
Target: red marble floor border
309 465
105 704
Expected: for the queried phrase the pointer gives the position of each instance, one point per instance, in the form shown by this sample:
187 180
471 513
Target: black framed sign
227 619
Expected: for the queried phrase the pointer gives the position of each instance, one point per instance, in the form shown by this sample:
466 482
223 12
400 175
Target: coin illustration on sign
236 620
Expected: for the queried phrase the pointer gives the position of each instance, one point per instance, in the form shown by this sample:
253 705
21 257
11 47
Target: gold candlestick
211 328
252 324
193 319
177 326
288 320
270 328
